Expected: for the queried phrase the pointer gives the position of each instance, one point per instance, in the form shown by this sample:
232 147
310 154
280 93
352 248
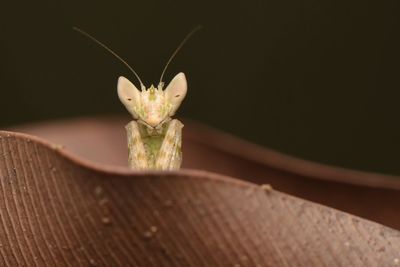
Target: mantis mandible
154 138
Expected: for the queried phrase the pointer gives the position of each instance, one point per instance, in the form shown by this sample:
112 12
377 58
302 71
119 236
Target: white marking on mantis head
153 105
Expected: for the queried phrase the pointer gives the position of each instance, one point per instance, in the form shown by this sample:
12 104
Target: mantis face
153 106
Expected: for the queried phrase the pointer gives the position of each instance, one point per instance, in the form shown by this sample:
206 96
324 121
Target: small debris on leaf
267 188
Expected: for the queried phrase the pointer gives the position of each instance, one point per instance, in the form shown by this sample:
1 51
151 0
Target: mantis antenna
177 50
112 52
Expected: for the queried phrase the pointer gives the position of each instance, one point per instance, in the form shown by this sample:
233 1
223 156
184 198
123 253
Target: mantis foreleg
170 155
137 154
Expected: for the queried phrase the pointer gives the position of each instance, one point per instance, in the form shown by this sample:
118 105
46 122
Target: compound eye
129 95
176 91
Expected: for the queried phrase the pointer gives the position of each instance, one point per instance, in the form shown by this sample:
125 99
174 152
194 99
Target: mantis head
153 106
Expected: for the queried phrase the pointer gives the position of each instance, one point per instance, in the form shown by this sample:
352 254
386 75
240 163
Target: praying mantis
154 138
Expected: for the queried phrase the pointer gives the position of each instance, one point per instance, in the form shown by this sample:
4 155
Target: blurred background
314 79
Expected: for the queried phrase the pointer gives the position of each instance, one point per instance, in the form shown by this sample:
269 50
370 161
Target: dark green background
314 79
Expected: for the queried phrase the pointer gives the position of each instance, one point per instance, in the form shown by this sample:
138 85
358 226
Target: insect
154 138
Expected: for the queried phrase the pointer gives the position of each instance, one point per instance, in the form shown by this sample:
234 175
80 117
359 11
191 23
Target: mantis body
154 138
